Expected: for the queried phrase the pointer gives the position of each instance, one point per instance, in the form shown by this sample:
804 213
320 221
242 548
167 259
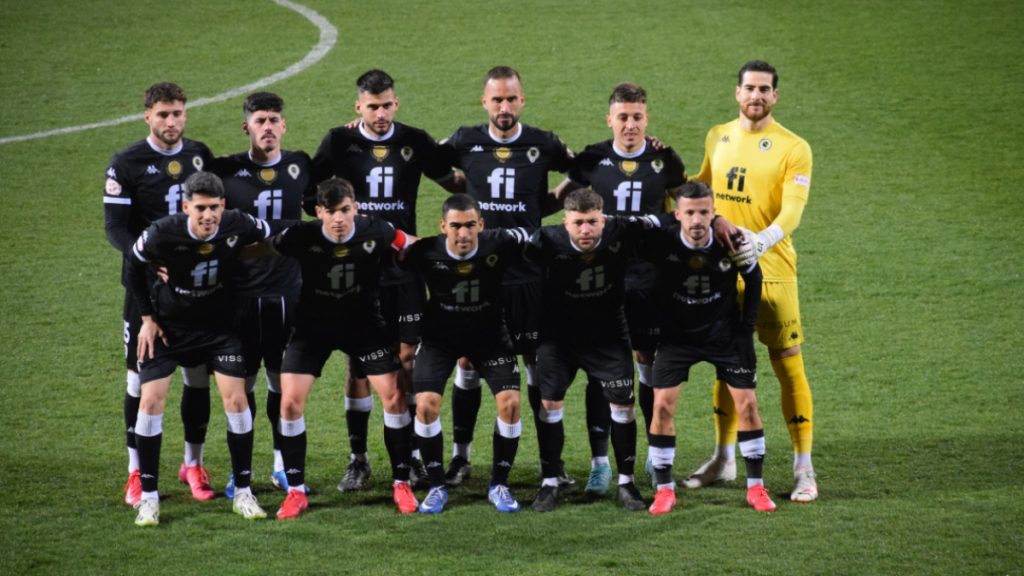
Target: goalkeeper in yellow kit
761 175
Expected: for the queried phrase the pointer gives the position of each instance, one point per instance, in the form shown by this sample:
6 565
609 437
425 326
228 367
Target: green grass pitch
910 275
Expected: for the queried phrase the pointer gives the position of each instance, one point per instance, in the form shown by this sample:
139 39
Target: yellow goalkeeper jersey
759 179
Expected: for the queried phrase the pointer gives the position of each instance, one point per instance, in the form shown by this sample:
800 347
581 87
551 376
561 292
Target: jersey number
502 178
381 177
628 194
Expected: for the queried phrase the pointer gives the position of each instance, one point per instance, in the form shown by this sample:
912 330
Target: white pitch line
328 37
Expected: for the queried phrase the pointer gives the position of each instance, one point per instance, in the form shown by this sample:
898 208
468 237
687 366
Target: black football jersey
508 179
144 184
197 290
465 295
583 291
339 280
384 173
630 187
274 193
697 288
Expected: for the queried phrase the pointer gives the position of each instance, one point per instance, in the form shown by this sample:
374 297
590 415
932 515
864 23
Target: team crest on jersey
587 257
267 175
764 145
533 154
113 188
492 260
174 169
380 153
502 154
406 153
628 167
205 249
657 165
464 268
369 245
724 264
293 171
696 262
340 251
198 163
232 240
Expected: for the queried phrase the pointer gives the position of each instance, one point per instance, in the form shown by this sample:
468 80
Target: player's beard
756 114
169 140
504 122
380 129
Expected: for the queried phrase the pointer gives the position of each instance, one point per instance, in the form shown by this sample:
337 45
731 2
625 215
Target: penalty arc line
328 38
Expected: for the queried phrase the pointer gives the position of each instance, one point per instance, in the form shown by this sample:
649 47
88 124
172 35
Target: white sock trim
427 430
513 430
239 422
397 421
292 428
359 404
149 425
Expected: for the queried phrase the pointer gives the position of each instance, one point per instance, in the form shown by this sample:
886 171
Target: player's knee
623 414
292 407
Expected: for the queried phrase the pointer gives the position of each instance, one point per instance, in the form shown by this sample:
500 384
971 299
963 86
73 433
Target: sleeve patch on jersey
113 187
801 180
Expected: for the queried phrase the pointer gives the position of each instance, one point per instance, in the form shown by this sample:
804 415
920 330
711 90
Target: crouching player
186 321
702 321
340 257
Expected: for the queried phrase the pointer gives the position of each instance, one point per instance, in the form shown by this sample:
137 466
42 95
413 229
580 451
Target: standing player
186 320
341 259
384 160
585 269
634 178
144 183
761 175
463 269
270 184
506 165
703 321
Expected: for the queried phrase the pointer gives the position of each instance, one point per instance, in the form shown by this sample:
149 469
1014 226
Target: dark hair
333 191
459 203
262 102
375 82
501 73
628 92
758 66
164 92
204 184
583 200
695 189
